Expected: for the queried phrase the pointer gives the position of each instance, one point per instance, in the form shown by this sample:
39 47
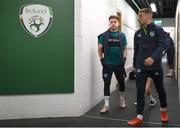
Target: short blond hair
146 10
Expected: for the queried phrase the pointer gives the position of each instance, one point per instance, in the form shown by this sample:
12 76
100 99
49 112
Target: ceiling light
136 4
153 7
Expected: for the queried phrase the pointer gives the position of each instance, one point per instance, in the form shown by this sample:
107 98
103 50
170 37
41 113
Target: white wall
94 20
91 19
130 25
177 26
171 31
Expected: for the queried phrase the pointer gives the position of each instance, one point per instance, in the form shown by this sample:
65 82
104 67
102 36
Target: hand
102 61
149 61
124 60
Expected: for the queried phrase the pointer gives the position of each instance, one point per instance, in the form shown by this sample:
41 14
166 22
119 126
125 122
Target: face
114 24
144 18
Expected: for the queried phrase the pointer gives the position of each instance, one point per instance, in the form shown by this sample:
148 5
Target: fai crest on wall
36 19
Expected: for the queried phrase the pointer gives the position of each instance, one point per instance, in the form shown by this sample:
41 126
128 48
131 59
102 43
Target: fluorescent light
136 4
153 7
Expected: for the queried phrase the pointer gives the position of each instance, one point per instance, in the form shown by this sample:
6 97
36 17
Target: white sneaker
152 103
170 74
104 110
122 103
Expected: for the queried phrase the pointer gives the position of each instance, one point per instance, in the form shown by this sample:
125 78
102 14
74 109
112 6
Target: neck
113 30
149 22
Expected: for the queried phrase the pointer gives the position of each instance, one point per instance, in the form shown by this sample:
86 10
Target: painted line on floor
123 120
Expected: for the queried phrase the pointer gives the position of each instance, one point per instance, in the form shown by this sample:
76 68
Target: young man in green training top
112 53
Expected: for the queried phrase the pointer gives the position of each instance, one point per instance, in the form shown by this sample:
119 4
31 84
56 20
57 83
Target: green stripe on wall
43 65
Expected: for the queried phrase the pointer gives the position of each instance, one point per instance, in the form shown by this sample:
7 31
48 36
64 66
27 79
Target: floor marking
123 120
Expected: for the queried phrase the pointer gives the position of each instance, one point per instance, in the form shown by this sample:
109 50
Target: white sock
122 101
106 100
162 109
140 117
170 70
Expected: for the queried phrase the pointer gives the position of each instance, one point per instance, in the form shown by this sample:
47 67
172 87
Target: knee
121 84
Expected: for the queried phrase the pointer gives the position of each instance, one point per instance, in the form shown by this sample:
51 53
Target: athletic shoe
104 110
164 117
170 74
135 122
153 102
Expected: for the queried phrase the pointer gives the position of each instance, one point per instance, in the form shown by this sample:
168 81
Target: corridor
51 61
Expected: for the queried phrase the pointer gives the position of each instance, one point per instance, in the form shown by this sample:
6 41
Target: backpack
167 42
106 35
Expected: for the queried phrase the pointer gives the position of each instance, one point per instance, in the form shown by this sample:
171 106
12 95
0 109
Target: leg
148 89
157 77
120 76
141 79
170 58
158 81
149 83
107 75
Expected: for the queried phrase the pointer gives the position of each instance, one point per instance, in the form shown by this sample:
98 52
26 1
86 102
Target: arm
125 50
160 45
136 48
100 51
157 54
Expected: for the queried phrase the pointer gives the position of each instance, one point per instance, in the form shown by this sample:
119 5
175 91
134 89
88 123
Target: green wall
42 65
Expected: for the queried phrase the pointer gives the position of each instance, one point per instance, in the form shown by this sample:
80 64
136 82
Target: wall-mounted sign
36 19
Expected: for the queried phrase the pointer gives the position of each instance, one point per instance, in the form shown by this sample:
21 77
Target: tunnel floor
116 117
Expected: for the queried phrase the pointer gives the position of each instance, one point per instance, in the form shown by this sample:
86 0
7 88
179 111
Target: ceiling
165 8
